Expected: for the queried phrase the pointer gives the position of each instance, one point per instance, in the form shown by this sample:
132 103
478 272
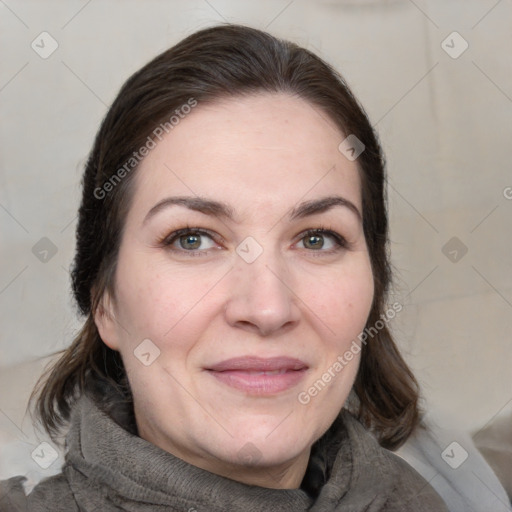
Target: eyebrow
322 205
198 204
222 210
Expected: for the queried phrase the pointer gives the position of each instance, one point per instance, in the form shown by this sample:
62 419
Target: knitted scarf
108 469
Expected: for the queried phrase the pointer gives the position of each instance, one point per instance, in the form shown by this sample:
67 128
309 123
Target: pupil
190 241
314 242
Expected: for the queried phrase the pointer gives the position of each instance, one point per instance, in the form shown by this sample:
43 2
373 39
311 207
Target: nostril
245 324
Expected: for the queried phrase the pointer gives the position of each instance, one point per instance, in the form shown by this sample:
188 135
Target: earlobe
105 321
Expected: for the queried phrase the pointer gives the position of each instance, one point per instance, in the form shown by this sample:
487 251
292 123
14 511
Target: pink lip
260 376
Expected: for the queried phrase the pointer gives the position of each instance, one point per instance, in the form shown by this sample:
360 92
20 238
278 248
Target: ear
105 320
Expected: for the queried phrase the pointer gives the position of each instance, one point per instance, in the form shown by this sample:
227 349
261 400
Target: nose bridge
263 279
260 295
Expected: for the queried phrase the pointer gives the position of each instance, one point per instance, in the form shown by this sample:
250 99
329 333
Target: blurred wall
436 80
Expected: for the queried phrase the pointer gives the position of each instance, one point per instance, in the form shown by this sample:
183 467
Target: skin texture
262 155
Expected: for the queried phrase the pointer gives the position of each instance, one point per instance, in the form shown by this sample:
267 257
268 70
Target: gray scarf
108 469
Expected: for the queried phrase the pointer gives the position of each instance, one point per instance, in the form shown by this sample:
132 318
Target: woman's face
231 307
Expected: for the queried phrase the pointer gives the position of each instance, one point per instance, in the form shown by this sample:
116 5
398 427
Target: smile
258 376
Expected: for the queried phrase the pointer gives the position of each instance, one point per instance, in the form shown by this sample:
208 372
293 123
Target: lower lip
260 384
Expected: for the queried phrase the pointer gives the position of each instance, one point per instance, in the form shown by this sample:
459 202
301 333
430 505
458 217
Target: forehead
253 151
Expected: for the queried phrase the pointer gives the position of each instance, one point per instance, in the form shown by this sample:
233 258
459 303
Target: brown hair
214 63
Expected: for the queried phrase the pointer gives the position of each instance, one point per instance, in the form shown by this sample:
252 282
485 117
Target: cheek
344 300
344 304
156 300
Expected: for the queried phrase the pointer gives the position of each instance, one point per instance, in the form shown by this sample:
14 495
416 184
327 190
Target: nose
261 297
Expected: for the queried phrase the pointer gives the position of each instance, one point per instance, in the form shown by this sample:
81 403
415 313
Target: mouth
259 376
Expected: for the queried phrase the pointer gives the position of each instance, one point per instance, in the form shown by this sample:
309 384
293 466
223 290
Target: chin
252 455
262 447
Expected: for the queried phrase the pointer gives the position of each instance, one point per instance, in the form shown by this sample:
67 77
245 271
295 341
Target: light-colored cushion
495 443
451 463
24 449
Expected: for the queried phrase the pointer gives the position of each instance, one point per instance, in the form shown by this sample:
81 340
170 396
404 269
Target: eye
189 240
322 240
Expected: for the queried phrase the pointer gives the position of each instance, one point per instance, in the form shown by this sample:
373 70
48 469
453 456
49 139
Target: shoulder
12 495
52 493
412 491
397 487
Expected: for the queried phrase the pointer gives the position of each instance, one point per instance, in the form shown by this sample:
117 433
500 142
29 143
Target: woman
231 266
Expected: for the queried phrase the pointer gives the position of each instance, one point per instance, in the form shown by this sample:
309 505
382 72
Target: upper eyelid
174 235
183 231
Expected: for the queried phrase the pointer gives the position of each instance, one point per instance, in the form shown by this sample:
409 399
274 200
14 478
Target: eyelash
339 241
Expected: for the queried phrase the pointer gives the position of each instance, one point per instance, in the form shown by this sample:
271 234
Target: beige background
444 123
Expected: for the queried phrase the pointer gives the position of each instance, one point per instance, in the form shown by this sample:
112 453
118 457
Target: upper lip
255 364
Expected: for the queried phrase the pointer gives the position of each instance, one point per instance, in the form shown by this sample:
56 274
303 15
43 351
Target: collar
107 466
